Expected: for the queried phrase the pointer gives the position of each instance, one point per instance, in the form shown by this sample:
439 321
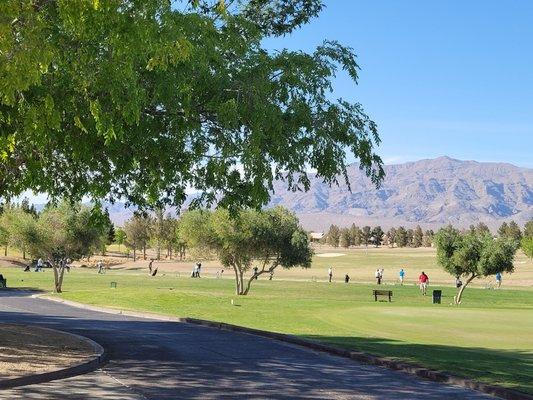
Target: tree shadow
170 360
509 368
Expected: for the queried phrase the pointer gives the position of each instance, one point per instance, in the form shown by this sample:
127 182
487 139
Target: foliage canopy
140 100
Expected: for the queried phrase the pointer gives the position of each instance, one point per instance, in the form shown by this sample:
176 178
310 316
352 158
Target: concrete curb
406 367
96 360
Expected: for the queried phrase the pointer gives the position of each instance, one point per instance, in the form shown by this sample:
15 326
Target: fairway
487 338
359 263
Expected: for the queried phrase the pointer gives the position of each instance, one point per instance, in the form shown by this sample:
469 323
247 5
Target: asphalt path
150 359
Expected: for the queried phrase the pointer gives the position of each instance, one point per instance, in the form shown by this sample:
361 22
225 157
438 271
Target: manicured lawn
488 337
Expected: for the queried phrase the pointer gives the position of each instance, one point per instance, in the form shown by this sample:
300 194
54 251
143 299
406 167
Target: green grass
488 338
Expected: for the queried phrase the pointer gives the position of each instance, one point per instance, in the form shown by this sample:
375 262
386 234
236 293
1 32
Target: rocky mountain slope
431 193
427 192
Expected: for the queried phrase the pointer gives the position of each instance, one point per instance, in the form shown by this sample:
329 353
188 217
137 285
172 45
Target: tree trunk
237 282
58 277
144 252
23 254
457 299
60 282
5 251
134 254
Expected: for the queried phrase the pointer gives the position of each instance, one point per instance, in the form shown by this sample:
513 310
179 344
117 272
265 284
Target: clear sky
439 77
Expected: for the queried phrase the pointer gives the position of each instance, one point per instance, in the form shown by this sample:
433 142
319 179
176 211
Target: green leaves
473 254
139 101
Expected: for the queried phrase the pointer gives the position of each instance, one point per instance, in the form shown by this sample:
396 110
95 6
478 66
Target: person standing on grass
199 269
346 278
256 272
39 265
498 279
330 273
423 281
100 266
150 265
378 276
194 270
402 274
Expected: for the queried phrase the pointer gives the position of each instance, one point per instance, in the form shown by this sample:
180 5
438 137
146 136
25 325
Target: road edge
366 358
97 359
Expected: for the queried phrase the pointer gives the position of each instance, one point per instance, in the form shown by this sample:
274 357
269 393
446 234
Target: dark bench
3 283
377 293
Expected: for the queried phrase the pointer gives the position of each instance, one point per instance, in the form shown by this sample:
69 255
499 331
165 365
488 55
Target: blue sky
439 77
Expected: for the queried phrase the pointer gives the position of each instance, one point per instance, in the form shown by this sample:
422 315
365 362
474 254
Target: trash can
114 285
437 294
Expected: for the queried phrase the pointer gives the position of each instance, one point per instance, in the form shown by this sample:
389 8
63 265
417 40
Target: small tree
428 238
401 237
514 232
503 229
355 235
482 229
391 235
271 238
527 246
418 236
120 237
333 236
366 233
19 227
137 230
68 231
377 233
345 238
410 236
528 229
472 256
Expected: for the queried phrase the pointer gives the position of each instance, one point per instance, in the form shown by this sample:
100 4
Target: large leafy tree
473 255
270 238
142 99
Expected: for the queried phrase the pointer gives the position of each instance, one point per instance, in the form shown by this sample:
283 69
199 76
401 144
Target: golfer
401 274
423 281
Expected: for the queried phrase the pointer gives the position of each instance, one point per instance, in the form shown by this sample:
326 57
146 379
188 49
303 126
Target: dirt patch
29 350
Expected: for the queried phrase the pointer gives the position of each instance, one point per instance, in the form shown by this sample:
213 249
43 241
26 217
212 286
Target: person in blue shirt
499 279
402 274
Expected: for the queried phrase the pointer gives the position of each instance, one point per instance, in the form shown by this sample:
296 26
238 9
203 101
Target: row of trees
58 233
402 237
356 236
158 231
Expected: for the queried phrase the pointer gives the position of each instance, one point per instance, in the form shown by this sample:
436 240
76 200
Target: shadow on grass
172 360
509 368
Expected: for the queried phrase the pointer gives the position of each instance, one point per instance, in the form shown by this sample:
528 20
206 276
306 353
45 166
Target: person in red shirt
423 281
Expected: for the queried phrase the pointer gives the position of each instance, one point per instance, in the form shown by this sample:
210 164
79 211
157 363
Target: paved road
167 360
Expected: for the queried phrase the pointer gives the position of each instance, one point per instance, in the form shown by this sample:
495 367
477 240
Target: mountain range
430 193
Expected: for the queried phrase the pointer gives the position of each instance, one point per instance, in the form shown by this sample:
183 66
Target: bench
377 293
3 283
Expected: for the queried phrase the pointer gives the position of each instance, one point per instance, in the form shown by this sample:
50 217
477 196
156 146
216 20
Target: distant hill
427 192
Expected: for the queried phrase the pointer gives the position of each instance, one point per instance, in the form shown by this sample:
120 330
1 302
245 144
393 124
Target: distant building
316 236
